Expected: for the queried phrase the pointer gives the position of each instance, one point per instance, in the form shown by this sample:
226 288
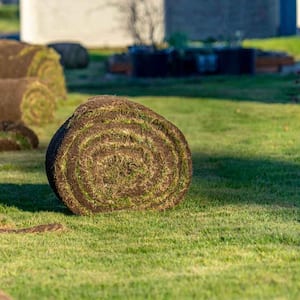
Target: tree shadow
217 180
259 88
31 197
221 180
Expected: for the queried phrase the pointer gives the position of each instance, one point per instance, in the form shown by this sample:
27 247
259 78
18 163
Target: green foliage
178 40
235 236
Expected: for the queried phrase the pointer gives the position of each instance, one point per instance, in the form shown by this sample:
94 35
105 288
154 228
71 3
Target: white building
90 22
99 23
298 13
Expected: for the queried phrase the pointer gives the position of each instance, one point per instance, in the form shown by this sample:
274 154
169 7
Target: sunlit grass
9 18
291 45
235 236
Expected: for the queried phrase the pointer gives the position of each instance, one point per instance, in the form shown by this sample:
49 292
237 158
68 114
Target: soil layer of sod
114 154
19 60
27 100
16 136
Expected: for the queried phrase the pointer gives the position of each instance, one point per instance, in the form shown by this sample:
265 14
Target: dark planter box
149 64
236 61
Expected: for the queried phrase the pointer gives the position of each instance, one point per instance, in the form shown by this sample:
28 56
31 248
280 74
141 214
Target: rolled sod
27 100
4 296
72 55
19 60
114 154
16 136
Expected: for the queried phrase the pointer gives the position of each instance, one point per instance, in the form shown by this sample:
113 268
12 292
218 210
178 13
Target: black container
149 64
175 64
236 61
247 61
228 61
190 63
185 62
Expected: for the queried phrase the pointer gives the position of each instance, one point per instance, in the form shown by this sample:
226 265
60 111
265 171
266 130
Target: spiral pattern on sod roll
46 66
114 154
16 136
38 105
20 60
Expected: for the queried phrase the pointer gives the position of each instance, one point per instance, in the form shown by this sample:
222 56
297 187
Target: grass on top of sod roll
235 236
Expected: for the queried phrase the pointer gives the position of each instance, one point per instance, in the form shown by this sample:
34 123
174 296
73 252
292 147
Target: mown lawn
9 18
235 236
290 44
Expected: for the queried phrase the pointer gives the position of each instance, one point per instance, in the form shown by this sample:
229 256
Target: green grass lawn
235 236
290 44
9 18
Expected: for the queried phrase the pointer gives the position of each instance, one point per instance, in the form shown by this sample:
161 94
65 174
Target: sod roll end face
114 154
46 66
16 136
27 100
18 60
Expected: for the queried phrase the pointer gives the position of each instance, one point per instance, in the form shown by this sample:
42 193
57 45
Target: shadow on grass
31 197
265 89
217 180
229 180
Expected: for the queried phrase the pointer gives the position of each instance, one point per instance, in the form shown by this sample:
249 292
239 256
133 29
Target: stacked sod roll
16 136
4 296
19 60
26 100
72 55
114 154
